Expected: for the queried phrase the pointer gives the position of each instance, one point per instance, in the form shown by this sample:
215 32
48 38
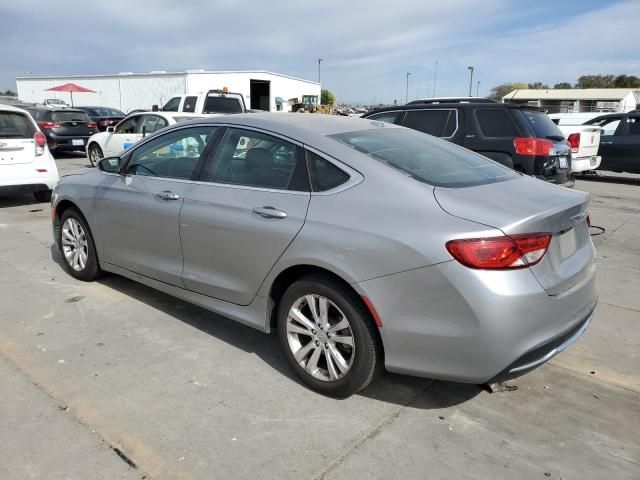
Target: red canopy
69 87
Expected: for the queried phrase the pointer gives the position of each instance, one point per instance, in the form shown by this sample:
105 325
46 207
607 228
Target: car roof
11 108
457 104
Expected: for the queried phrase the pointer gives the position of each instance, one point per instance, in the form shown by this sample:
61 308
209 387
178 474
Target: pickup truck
212 101
584 141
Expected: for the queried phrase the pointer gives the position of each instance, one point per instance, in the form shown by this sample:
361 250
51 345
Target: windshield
222 105
15 125
542 125
426 158
67 116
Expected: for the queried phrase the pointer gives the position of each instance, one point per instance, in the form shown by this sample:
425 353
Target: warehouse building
574 100
126 91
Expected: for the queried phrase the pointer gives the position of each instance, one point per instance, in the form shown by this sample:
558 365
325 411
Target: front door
242 217
126 133
137 212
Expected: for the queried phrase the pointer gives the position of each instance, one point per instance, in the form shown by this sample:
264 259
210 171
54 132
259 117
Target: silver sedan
364 245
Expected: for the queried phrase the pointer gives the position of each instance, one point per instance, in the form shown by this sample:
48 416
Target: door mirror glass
109 164
111 129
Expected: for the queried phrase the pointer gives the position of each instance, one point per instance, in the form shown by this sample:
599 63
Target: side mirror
109 164
111 129
144 131
155 108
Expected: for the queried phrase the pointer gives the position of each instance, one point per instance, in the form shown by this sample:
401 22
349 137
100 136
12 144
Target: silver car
364 245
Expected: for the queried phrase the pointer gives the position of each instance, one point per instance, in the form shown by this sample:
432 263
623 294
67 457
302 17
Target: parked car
212 101
584 141
103 116
364 245
520 137
54 103
26 165
65 129
620 141
129 131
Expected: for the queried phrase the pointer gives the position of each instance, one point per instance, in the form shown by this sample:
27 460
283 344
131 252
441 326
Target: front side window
324 174
172 105
425 158
151 123
609 125
439 123
130 125
254 159
172 155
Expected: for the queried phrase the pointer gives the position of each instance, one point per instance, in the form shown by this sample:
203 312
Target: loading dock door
260 94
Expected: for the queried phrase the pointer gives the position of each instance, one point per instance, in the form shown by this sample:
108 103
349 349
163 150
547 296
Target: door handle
167 195
269 212
606 143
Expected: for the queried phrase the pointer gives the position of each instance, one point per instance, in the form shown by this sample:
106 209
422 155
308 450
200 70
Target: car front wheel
328 336
77 247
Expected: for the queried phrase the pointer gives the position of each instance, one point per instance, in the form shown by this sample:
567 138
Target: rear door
139 209
239 220
126 133
16 138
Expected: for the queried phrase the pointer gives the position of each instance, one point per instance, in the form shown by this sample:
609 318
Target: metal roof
571 94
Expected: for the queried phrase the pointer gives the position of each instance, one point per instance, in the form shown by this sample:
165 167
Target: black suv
619 141
520 137
65 129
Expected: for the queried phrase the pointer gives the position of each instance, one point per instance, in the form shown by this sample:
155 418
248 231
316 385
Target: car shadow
609 177
388 387
20 200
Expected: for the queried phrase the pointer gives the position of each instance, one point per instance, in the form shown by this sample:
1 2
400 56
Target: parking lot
115 380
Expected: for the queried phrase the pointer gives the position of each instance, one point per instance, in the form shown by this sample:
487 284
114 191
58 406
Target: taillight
499 253
538 147
92 125
40 141
46 125
574 142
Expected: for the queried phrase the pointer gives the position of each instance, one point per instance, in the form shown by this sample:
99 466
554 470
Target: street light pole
407 92
470 79
435 79
478 89
319 62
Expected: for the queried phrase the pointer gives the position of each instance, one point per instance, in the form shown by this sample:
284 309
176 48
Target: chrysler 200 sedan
363 244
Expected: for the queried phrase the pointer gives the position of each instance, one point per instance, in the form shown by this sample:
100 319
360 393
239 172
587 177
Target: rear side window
387 117
439 123
15 125
542 125
426 159
496 122
69 117
324 175
189 104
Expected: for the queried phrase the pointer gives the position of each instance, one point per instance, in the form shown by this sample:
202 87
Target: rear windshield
67 116
542 125
426 158
222 105
16 125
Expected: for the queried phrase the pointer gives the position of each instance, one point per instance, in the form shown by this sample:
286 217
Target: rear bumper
584 164
6 190
453 323
66 143
25 177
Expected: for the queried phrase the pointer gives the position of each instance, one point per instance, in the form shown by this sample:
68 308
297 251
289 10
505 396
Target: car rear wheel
95 154
43 195
77 247
328 337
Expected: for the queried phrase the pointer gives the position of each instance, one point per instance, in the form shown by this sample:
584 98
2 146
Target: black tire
97 151
367 360
43 195
91 270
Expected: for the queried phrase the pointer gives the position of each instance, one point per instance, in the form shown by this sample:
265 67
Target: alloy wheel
74 244
320 337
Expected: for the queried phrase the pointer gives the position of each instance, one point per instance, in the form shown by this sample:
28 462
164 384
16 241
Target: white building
574 100
127 91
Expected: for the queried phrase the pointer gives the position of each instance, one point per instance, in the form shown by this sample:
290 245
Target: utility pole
319 62
435 79
478 89
407 92
470 79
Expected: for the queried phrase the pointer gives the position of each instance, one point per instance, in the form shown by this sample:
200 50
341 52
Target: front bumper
453 323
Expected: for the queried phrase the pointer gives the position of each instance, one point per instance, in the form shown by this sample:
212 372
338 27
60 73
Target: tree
538 86
500 91
10 93
562 85
595 81
327 97
626 81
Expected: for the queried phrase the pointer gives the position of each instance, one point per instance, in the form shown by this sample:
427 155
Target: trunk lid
526 205
16 138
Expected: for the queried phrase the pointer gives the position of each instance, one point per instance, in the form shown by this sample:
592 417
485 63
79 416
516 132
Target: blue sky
367 46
